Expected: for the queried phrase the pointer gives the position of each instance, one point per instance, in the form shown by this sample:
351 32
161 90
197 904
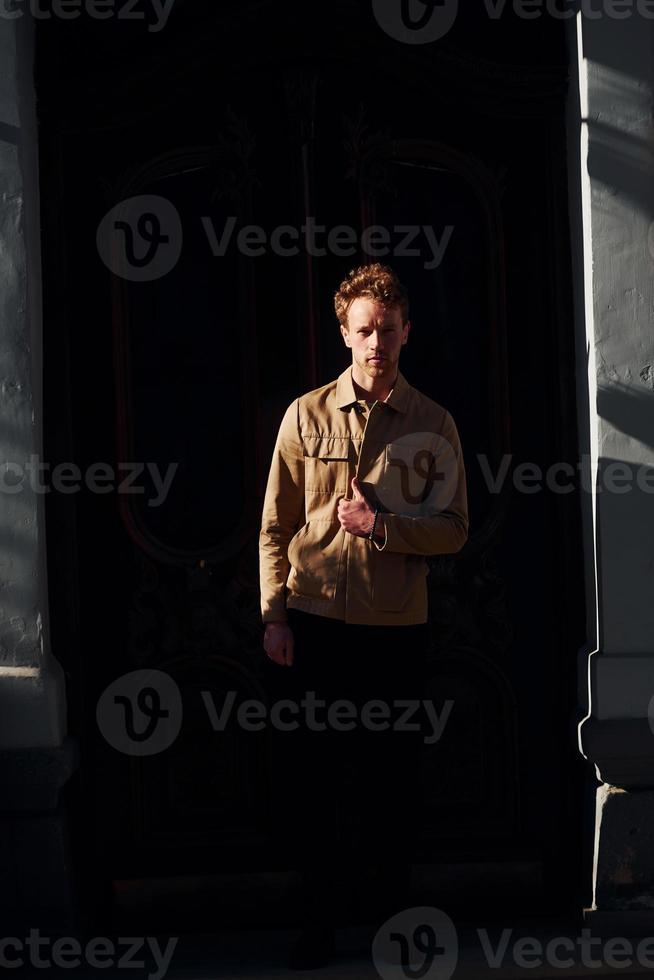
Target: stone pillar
612 206
36 757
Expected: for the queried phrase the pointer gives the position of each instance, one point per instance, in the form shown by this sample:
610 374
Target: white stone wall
612 208
32 699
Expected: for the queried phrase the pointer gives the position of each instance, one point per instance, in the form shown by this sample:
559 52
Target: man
367 479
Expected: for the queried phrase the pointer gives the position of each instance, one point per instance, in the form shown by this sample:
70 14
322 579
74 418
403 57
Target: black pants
346 802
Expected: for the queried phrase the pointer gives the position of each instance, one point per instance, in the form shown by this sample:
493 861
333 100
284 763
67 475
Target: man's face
376 335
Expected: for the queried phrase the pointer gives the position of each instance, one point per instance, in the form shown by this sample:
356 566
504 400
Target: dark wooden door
268 115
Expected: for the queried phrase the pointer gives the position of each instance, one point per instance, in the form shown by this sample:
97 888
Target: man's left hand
356 515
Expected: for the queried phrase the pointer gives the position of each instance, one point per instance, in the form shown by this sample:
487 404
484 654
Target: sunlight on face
375 334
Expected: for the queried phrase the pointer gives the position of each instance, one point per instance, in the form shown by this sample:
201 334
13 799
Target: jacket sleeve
445 531
283 514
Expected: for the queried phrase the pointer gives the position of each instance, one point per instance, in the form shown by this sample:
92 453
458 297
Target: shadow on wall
628 408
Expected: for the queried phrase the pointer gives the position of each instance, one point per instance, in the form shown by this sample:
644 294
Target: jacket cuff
274 612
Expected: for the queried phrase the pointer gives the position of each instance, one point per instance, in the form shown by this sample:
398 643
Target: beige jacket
407 456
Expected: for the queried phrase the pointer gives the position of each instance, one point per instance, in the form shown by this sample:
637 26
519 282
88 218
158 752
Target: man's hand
356 515
278 643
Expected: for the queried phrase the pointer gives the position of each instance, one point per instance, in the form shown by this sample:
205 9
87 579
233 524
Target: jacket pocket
420 475
327 465
396 579
314 554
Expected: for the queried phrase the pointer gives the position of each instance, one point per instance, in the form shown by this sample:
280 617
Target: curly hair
377 282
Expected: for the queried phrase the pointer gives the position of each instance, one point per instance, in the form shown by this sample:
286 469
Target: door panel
193 368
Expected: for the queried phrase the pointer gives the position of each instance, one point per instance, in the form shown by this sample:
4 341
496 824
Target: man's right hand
278 643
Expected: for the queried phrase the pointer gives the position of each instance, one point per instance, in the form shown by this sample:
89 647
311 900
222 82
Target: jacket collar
397 399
